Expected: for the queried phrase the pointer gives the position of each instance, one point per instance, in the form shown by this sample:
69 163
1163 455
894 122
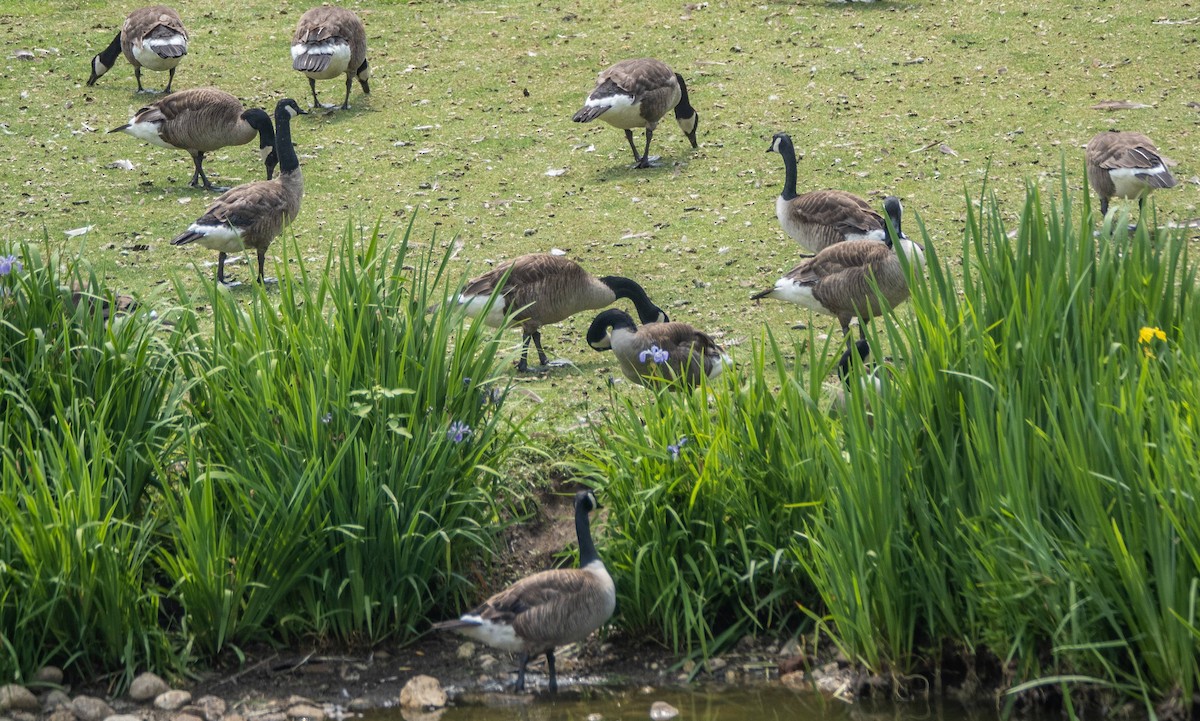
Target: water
764 703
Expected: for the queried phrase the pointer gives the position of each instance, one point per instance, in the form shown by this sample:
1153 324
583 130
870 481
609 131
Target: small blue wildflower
458 431
656 354
9 263
673 448
327 418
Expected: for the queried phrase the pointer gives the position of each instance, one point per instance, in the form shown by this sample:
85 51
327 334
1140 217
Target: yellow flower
1148 333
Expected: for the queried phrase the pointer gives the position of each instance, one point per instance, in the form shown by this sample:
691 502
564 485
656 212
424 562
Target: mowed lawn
468 129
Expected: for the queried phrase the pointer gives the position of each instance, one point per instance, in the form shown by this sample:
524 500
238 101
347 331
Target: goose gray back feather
1123 164
328 42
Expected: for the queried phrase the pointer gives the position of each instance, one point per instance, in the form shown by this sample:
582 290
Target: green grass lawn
471 107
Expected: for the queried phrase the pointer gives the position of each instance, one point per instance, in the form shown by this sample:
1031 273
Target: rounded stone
49 675
90 708
662 711
212 707
360 704
147 687
307 712
422 692
172 700
55 700
17 698
123 717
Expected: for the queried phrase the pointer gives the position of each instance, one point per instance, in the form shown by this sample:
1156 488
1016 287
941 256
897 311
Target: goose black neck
891 206
683 109
260 121
108 55
288 161
583 533
626 288
788 151
843 368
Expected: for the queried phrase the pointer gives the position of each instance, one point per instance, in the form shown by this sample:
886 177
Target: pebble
17 698
465 651
49 674
595 717
62 713
487 662
210 707
123 717
185 717
662 711
90 708
55 700
305 711
716 664
172 700
358 705
146 687
422 692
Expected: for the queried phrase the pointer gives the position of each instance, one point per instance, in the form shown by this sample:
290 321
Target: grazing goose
252 214
1125 165
542 289
820 218
200 121
548 609
331 41
637 94
152 37
841 397
657 352
837 280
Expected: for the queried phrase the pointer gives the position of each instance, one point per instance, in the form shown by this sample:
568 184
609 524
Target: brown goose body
839 280
548 609
253 214
202 120
820 218
658 353
151 37
637 94
541 289
1122 164
328 42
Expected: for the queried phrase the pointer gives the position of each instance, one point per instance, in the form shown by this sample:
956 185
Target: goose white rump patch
339 63
219 237
798 293
1127 182
496 635
622 111
476 303
148 132
144 52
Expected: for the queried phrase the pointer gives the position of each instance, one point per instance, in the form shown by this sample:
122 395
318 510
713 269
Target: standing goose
657 352
637 94
1125 165
548 609
331 41
252 214
841 397
200 121
543 289
838 280
820 218
152 37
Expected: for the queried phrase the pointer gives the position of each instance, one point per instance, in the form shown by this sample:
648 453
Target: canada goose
657 352
200 121
152 37
837 280
252 214
637 94
331 41
548 609
820 218
543 289
1125 165
841 397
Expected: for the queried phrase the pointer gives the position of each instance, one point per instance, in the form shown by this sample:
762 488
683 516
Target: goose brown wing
527 271
845 211
525 603
638 77
244 205
839 258
1123 150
